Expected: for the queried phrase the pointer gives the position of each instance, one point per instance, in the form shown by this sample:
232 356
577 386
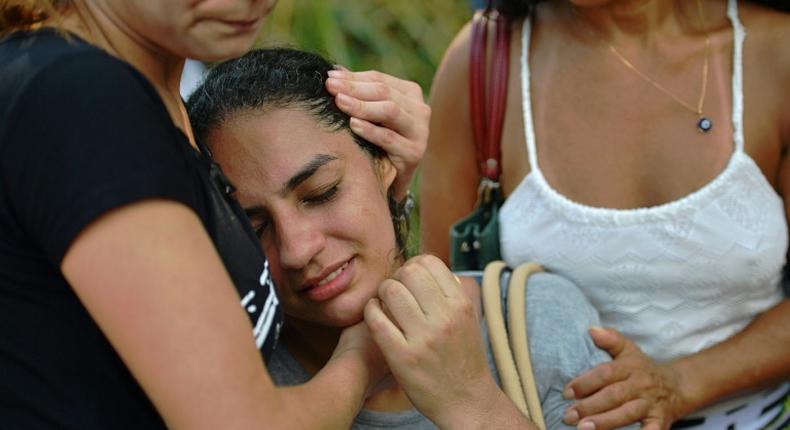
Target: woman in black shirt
120 245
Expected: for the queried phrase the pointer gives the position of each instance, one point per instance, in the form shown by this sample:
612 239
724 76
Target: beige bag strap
519 343
511 353
497 335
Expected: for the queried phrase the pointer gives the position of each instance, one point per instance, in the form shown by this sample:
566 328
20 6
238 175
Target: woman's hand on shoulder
388 112
631 388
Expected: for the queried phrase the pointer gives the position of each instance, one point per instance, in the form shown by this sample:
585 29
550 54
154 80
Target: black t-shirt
82 133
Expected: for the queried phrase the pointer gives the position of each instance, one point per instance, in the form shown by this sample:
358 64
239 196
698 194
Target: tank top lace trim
677 277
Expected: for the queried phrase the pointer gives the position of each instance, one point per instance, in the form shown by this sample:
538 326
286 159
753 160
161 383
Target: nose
298 241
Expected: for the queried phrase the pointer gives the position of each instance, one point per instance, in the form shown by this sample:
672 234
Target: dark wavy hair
278 78
514 9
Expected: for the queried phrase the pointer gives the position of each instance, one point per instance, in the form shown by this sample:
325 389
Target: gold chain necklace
704 124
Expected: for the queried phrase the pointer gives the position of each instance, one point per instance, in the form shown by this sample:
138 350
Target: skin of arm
152 280
448 189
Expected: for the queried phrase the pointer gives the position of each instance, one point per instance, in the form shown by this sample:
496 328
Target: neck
97 24
312 345
628 22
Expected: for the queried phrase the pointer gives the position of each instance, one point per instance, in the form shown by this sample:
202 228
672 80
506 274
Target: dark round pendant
704 125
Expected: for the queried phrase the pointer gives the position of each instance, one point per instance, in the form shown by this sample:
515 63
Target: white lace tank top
677 277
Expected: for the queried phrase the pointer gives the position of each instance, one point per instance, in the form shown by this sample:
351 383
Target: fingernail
586 425
571 416
596 328
343 101
335 73
568 394
355 124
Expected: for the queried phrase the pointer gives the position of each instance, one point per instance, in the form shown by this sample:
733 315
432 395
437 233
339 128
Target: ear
386 171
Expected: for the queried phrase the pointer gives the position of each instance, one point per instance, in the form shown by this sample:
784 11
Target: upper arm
776 37
151 279
448 188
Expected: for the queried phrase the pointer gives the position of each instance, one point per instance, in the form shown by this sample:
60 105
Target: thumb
610 340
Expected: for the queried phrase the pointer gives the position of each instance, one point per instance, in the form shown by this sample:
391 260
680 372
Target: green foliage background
405 38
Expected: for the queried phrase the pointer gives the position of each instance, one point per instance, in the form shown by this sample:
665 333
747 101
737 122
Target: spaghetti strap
738 34
526 98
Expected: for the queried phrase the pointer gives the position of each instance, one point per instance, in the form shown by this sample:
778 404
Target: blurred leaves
405 38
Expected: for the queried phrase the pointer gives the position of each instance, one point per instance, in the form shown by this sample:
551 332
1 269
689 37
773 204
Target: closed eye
259 220
260 227
323 197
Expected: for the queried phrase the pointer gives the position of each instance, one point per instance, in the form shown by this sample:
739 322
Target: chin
345 310
345 321
221 51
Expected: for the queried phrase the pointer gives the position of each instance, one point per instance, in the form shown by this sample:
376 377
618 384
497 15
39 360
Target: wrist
690 394
401 188
348 370
486 407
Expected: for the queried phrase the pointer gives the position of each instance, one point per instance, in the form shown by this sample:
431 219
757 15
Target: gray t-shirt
558 316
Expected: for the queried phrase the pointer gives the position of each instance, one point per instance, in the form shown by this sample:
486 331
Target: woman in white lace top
644 158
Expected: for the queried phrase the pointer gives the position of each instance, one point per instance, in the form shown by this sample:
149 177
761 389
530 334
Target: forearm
333 396
757 356
489 408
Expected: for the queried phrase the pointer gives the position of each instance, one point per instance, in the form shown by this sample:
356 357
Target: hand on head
388 112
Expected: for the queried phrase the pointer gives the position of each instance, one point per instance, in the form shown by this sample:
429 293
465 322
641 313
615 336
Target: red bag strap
487 102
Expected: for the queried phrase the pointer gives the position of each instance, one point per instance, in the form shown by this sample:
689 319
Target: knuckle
429 260
376 325
389 137
374 75
382 91
431 343
632 412
425 110
466 308
391 110
388 289
582 408
605 372
408 272
410 359
422 259
446 329
617 393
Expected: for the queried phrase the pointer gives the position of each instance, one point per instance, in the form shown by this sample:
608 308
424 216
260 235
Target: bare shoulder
454 67
768 31
766 53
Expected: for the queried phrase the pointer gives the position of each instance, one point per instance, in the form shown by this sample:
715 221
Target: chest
606 137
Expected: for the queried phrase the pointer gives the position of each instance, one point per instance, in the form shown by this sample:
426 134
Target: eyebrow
306 172
302 175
